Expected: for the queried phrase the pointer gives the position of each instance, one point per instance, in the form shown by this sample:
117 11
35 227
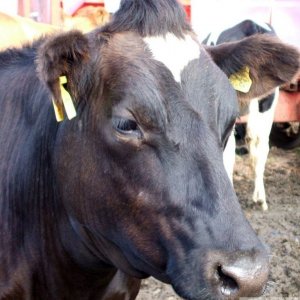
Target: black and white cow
260 113
134 185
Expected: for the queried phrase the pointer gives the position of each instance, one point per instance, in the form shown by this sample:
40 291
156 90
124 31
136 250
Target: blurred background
205 16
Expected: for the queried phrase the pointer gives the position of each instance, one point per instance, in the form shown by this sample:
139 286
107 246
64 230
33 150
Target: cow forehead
139 75
175 53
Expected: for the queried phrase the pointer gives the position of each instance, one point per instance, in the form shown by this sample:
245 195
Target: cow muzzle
236 275
221 274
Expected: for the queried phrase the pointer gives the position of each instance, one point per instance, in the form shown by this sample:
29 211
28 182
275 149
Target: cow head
243 29
140 168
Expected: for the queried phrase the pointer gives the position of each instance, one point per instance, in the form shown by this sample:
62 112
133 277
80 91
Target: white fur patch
229 155
175 53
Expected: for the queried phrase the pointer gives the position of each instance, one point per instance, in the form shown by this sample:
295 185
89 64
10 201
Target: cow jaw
175 53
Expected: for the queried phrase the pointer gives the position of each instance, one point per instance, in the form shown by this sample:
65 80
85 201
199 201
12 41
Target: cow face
140 168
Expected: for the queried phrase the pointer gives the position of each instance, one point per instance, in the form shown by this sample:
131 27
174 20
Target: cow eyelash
126 126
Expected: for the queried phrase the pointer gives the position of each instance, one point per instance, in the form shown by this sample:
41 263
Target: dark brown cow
134 185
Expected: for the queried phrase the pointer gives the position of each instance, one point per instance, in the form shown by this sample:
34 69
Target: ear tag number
241 80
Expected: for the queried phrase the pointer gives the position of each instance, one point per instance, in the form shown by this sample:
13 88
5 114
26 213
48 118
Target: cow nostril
237 275
227 284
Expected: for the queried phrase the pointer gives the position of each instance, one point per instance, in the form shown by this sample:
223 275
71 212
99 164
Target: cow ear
258 64
59 63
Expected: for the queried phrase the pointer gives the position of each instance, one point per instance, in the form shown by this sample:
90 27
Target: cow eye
127 126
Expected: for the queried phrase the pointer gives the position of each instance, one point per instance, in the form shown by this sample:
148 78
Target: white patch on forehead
175 53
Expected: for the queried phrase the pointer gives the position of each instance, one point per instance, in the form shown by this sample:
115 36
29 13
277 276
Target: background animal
133 185
16 30
86 19
260 113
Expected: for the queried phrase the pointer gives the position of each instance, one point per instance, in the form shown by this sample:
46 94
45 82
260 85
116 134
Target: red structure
88 3
288 107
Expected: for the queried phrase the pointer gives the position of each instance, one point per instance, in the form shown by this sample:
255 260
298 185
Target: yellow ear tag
241 80
67 100
59 114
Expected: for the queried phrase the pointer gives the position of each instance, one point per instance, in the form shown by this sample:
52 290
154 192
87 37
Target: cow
260 113
112 160
16 30
86 18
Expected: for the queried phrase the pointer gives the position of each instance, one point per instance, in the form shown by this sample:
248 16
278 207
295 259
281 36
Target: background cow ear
63 55
268 61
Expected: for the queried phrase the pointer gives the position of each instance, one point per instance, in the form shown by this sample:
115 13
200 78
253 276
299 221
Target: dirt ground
279 227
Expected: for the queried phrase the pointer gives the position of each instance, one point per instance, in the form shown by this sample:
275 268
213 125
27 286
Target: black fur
150 18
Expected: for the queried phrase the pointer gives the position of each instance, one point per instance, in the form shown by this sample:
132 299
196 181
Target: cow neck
92 256
103 254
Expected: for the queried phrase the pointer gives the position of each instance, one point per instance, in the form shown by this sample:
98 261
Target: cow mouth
228 286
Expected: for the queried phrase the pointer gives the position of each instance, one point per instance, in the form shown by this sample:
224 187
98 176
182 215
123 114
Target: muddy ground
279 227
